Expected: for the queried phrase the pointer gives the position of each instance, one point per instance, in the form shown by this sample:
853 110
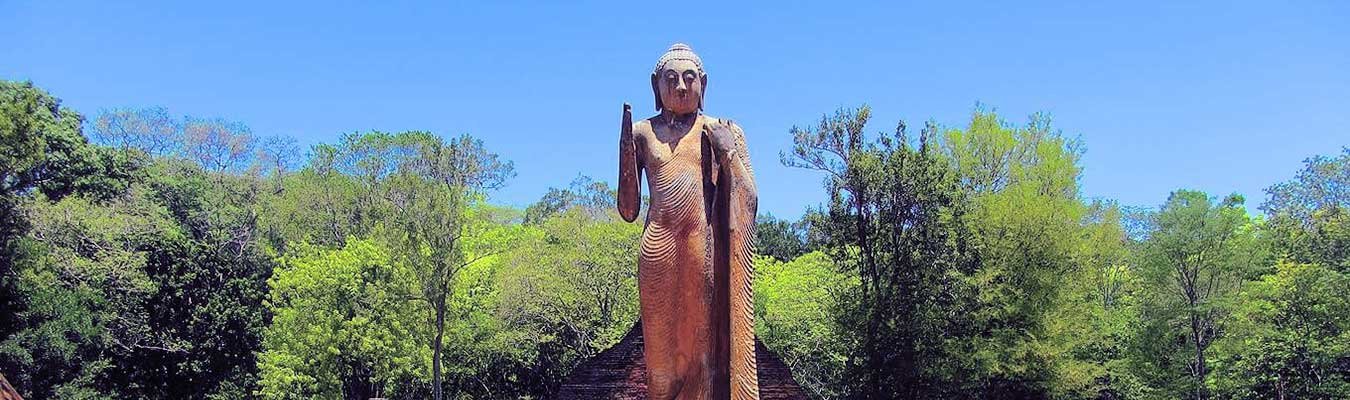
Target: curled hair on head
677 51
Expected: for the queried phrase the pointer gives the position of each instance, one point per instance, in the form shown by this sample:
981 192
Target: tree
1197 253
1021 183
1323 183
42 148
219 145
780 239
1289 336
83 278
1092 330
318 205
428 194
1309 216
213 278
420 187
570 285
156 290
593 197
895 222
1286 336
149 130
341 327
795 307
44 157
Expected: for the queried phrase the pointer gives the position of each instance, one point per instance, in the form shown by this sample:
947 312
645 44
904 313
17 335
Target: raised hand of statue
626 130
720 135
629 171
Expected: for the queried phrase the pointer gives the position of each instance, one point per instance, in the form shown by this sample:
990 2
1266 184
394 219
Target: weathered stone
619 374
695 267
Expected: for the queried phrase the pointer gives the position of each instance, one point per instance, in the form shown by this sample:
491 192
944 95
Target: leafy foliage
781 239
1289 337
1022 185
795 308
896 223
1198 253
571 286
186 258
342 328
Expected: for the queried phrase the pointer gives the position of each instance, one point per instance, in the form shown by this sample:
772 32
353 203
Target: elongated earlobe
656 92
703 78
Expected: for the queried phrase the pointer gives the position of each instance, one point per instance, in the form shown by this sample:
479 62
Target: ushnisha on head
678 81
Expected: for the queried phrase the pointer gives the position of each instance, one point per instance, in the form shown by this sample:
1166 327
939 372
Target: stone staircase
619 374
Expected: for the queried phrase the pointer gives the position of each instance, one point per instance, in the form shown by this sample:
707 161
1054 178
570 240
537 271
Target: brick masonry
619 374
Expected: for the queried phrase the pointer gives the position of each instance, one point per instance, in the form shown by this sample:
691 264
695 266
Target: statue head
678 80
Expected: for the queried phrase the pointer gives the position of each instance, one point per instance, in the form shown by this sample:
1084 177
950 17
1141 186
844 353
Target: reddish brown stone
619 374
696 264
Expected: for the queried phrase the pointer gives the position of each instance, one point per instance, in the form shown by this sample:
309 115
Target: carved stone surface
619 374
694 269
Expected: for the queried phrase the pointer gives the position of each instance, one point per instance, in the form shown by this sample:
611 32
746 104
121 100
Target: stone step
618 373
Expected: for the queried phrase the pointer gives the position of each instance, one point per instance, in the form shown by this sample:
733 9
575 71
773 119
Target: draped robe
695 268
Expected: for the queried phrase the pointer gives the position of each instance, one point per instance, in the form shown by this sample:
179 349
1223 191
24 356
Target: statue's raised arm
630 172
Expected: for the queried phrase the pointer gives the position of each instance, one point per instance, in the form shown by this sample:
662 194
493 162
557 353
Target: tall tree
795 307
429 193
1309 216
1021 182
1091 331
1289 337
895 222
150 130
571 284
42 152
213 278
1323 183
420 187
43 148
1199 252
89 298
584 193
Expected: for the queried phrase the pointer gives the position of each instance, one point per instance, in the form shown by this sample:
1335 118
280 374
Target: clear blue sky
1219 97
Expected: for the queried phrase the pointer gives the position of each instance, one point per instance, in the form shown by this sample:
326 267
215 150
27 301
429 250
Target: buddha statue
695 267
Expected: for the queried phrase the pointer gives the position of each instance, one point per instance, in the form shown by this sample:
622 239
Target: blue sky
1223 97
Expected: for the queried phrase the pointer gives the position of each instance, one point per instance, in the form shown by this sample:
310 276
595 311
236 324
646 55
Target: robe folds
695 267
734 207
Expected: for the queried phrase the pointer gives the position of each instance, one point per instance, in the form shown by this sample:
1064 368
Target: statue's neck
671 118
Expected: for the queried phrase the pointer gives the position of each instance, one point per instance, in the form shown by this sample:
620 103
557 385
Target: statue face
680 85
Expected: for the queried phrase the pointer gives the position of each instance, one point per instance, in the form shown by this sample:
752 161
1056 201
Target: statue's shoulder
709 119
735 128
643 127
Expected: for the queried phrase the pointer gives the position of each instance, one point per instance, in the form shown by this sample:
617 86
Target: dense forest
145 255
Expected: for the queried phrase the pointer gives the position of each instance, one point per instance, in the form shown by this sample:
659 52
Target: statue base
619 373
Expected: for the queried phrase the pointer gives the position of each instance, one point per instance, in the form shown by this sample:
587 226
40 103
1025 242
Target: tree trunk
1200 370
872 296
436 349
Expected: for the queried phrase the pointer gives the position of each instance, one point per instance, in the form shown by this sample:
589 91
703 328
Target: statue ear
703 78
656 92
